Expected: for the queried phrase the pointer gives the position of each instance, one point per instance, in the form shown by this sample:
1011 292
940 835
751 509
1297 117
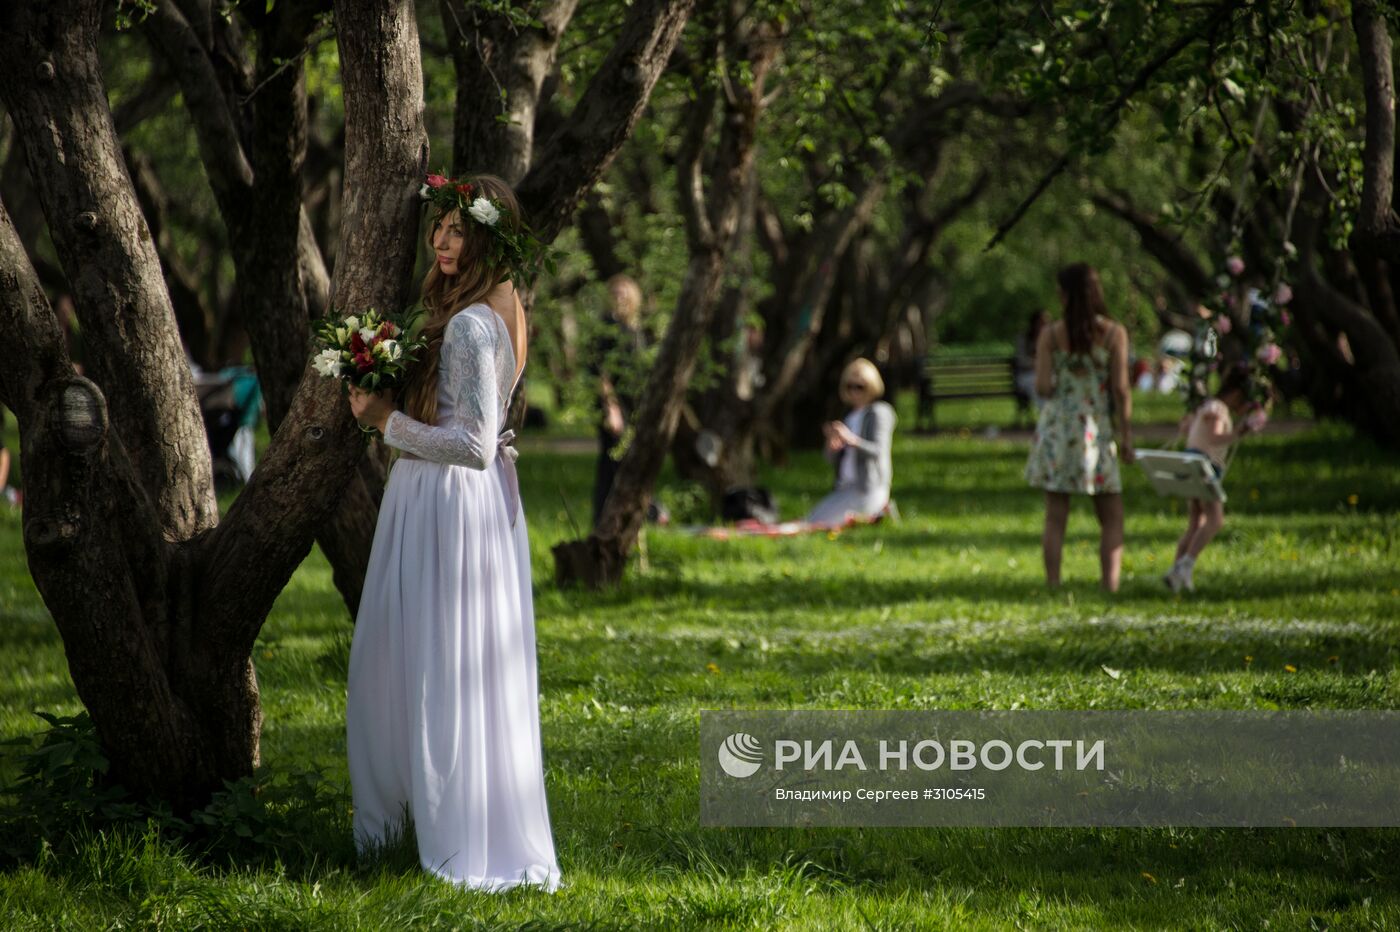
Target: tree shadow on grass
644 832
1131 874
826 591
1144 632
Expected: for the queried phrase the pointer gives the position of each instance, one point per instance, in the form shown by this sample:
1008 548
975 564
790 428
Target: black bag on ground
744 503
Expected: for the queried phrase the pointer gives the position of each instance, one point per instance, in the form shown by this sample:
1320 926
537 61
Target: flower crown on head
518 250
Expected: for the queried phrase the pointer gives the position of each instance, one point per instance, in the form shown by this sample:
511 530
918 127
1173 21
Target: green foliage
63 793
131 13
59 785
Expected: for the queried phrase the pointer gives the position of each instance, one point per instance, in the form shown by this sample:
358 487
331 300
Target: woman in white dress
442 714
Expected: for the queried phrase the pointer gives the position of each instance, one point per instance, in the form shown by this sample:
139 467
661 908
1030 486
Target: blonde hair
626 295
444 295
865 370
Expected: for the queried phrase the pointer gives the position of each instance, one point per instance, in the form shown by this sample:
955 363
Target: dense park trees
794 183
158 601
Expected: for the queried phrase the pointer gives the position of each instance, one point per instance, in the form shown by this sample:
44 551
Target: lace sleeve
469 439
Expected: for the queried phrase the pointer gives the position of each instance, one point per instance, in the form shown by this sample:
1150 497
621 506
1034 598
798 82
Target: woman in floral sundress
1081 368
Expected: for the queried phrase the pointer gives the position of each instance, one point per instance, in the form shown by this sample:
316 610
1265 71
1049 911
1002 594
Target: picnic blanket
751 528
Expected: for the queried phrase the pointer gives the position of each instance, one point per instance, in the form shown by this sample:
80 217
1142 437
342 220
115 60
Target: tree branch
1168 249
1109 119
317 449
580 150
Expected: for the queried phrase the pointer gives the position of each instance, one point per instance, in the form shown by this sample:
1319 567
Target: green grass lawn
946 610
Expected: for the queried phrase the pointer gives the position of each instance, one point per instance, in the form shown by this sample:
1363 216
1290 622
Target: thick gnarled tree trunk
158 602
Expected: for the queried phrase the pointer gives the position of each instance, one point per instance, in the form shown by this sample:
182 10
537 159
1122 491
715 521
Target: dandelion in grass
712 667
1290 668
1352 499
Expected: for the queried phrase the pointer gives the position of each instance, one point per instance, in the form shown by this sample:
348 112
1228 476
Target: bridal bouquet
371 351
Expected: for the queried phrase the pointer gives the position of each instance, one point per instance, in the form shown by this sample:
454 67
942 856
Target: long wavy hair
1083 303
444 295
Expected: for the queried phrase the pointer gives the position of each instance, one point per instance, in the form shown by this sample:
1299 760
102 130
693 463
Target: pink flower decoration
1223 324
436 181
1285 318
1234 265
1256 420
1283 294
1269 353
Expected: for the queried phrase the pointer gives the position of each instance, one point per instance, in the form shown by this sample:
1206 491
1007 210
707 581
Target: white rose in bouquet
327 362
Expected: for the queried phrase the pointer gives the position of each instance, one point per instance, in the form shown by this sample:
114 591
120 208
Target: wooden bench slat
968 377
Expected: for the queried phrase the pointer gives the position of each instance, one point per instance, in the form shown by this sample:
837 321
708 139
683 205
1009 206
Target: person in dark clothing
617 346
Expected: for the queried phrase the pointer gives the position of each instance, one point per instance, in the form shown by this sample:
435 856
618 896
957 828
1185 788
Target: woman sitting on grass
1210 431
859 447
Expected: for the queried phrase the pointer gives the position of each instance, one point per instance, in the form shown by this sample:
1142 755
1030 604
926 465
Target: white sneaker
1183 572
1179 577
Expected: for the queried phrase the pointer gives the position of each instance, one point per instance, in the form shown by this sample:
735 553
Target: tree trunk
158 607
111 491
501 67
578 152
599 560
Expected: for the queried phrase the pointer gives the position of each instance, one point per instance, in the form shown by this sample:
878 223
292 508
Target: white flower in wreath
327 362
425 192
483 211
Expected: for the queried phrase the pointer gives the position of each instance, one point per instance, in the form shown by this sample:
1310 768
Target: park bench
958 377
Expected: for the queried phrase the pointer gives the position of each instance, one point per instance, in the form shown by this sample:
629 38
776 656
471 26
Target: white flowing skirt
442 717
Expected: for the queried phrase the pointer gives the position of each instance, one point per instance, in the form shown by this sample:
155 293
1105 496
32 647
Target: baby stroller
231 402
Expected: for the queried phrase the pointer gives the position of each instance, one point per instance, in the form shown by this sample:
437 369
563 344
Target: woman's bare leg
1109 510
1052 542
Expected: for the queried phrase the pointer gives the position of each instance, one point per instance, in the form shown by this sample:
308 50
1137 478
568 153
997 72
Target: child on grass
1210 431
